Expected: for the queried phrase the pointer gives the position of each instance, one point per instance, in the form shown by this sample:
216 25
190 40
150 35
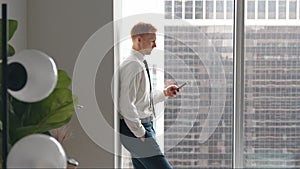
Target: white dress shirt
134 93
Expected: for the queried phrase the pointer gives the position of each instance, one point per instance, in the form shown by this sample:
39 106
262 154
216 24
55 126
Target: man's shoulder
131 62
130 68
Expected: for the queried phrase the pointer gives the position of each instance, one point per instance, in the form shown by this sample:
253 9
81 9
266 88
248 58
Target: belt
147 119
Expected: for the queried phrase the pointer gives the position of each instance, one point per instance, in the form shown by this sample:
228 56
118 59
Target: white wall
60 28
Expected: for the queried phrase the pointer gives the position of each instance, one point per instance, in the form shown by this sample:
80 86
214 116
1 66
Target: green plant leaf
61 106
63 81
50 113
32 129
11 51
12 27
47 114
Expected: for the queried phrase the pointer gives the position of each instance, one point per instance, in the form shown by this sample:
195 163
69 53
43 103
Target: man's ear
139 38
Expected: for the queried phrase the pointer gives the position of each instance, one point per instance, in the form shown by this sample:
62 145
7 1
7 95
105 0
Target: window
168 9
229 9
261 9
250 9
199 9
197 131
209 9
272 9
269 127
178 9
220 10
188 9
197 46
282 9
292 9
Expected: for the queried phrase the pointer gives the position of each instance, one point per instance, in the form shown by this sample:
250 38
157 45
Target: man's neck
134 48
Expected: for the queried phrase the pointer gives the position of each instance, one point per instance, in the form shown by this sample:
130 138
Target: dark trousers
145 154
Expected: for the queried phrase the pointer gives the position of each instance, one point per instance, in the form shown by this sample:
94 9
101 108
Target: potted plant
40 117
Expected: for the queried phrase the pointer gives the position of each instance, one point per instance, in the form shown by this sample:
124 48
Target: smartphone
183 84
180 86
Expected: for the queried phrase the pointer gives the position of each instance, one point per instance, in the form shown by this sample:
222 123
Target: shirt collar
137 54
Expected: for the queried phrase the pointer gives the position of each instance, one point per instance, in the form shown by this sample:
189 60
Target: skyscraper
272 83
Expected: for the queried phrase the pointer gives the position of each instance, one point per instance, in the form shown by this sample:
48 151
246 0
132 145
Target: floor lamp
5 129
29 76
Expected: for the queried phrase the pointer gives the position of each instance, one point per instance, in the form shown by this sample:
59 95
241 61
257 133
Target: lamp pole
5 129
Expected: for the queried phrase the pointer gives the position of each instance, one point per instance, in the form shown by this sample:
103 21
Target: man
137 100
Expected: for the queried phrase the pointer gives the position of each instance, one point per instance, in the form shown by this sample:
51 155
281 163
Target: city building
272 83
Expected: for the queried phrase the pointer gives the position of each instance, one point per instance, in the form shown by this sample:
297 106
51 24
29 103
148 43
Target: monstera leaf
12 27
53 112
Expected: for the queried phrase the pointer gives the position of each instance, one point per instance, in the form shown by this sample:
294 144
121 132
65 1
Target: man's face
148 43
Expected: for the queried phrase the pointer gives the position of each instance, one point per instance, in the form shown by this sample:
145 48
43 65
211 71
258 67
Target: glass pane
282 9
272 92
229 11
199 9
261 9
220 9
168 9
209 9
292 9
178 9
188 9
272 9
251 9
198 122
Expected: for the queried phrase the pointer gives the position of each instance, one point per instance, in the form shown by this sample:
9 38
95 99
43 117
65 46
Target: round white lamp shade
41 75
37 151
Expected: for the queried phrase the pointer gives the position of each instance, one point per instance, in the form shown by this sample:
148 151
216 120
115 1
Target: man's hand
143 138
171 91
